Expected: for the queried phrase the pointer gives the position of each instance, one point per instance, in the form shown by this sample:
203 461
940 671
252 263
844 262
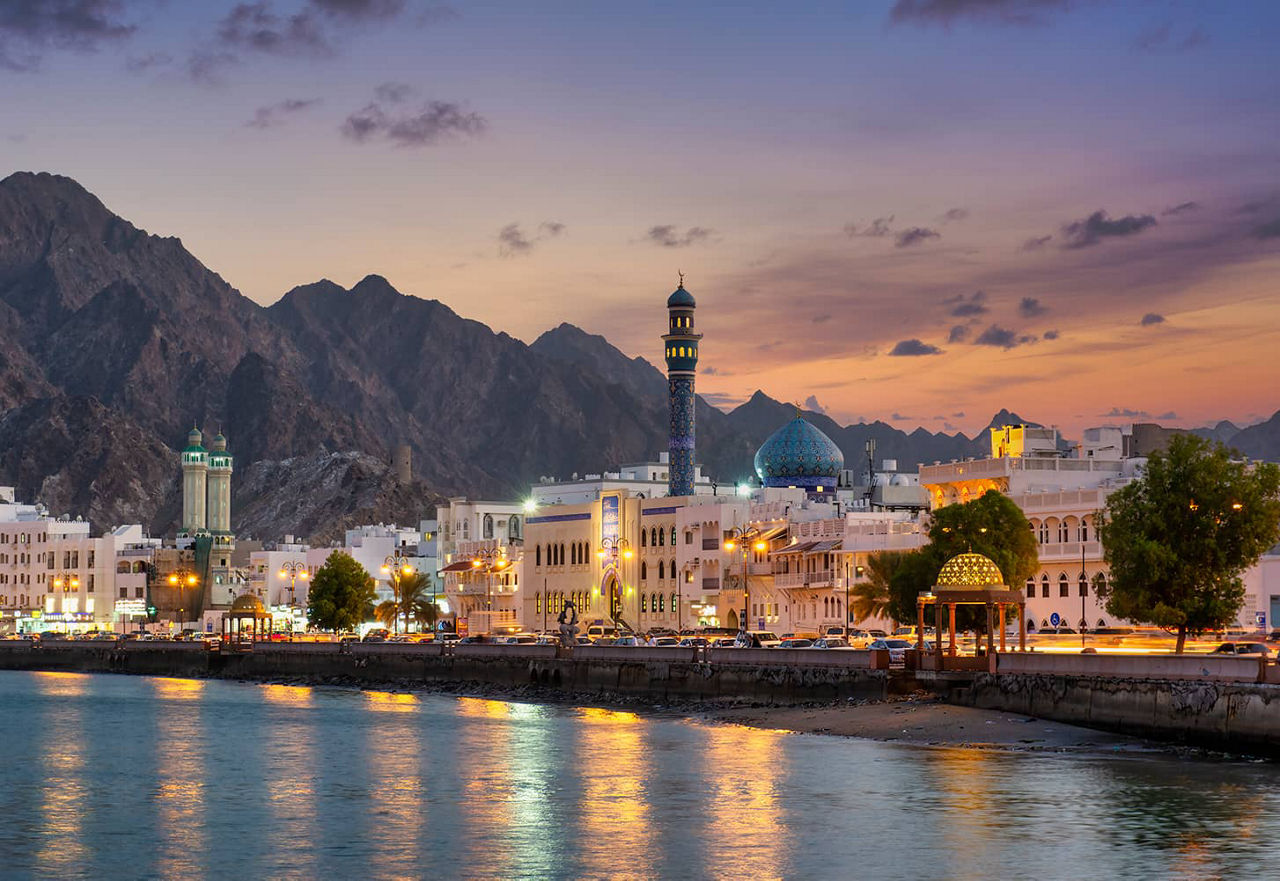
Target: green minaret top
194 437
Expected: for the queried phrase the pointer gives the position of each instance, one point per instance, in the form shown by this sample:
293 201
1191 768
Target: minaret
195 467
681 346
219 487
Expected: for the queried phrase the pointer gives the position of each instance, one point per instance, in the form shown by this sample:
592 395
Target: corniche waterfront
150 777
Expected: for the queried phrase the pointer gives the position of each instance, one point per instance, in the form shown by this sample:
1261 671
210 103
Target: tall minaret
681 345
219 487
195 467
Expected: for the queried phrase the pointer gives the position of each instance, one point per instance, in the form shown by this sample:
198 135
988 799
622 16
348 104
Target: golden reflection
178 689
391 702
63 792
617 823
288 695
395 755
180 794
961 785
747 834
475 707
289 769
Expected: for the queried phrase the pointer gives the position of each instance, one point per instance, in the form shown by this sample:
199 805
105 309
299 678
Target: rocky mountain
116 341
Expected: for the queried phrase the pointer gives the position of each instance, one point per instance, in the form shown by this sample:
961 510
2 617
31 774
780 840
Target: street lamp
395 567
67 581
613 548
293 570
489 560
746 538
182 579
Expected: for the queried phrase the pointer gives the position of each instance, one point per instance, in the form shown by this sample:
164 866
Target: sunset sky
918 211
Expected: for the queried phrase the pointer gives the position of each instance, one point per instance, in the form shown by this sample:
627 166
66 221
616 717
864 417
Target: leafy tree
1177 539
341 595
992 525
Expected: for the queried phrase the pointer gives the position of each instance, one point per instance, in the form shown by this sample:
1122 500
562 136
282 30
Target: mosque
772 556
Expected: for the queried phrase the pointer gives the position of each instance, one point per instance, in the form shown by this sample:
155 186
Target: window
673 535
644 603
662 536
122 568
672 568
537 554
89 586
644 570
573 554
1044 533
644 539
1084 530
488 526
124 593
513 526
1064 589
137 593
91 558
674 603
1044 585
688 537
662 604
1084 585
1063 534
662 570
1031 587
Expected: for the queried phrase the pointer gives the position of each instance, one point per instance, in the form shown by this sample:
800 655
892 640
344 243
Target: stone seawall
661 674
1233 716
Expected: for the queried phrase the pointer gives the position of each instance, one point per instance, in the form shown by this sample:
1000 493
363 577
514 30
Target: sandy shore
928 721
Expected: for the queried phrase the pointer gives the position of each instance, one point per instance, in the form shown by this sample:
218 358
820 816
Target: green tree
341 595
410 602
1177 539
991 525
870 598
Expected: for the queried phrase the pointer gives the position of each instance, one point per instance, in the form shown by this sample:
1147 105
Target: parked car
665 642
877 634
695 642
796 642
521 639
897 649
449 636
1242 648
377 634
724 642
832 642
584 640
604 640
628 640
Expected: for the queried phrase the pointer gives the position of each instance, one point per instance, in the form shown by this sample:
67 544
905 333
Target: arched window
662 536
1031 586
537 603
674 603
488 526
1084 529
1044 585
644 603
139 567
561 553
513 526
662 570
644 539
653 537
1044 533
1064 589
122 567
644 571
673 535
672 568
1063 532
662 603
1084 585
538 555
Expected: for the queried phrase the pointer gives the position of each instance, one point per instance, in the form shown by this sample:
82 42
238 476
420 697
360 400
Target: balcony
710 583
1068 551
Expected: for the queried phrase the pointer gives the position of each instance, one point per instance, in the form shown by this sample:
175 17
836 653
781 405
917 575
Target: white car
897 649
833 642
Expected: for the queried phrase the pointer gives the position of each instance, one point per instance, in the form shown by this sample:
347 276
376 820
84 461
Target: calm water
127 777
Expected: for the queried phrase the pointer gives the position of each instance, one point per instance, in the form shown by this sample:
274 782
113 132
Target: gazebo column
991 637
919 625
1022 627
1001 616
937 632
951 629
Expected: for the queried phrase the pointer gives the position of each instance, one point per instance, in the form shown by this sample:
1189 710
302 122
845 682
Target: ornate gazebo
246 621
970 580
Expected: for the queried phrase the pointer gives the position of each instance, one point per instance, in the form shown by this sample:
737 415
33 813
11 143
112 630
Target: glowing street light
746 539
396 567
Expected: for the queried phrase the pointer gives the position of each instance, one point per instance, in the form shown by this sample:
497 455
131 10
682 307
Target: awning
830 545
459 567
796 549
772 533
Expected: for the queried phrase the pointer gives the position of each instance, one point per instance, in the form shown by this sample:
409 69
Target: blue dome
798 454
681 297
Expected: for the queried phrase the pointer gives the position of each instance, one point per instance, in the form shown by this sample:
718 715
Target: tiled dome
798 454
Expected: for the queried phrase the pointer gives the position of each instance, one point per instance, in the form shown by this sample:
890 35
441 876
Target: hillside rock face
115 342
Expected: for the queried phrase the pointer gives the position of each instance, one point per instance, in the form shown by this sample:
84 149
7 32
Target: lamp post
746 538
1084 581
613 548
489 560
182 579
293 570
395 567
67 581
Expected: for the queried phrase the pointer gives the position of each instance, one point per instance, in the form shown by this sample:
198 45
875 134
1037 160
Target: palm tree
410 602
870 598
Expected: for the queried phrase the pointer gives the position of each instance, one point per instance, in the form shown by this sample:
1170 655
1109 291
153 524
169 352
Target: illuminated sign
610 519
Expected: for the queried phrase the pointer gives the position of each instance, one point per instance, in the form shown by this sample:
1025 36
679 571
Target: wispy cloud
967 306
914 236
1181 208
913 347
274 114
430 123
514 242
1098 226
1035 243
948 12
1030 307
877 228
1151 318
954 215
28 28
669 236
1002 337
958 334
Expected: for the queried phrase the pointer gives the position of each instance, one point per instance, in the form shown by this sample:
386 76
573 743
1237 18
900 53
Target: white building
643 479
479 547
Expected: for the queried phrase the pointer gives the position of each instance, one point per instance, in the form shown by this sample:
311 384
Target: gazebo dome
247 602
681 297
970 571
799 454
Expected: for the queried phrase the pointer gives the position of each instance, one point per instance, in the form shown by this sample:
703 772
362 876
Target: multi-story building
480 551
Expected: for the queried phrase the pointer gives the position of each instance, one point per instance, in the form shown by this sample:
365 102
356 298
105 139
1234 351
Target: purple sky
918 211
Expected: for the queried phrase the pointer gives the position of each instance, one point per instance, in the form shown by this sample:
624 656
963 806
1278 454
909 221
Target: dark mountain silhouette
115 342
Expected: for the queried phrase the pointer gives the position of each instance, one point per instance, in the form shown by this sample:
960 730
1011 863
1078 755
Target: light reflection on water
128 777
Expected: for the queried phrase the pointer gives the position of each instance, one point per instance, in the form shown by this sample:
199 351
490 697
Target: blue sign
759 624
1260 618
1054 619
610 521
